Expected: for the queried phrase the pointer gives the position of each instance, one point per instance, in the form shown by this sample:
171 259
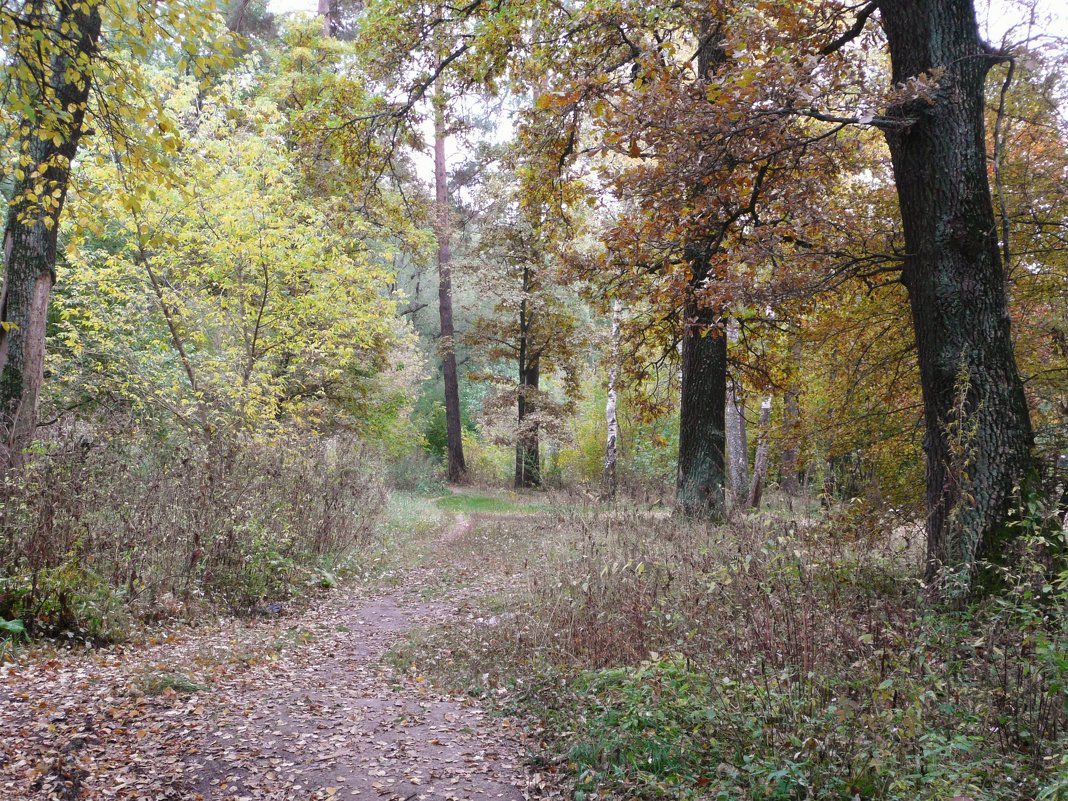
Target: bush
415 471
772 659
95 529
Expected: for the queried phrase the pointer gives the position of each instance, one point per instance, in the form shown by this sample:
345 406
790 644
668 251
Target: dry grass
91 533
811 645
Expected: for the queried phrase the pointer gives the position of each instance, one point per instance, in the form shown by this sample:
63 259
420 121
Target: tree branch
854 31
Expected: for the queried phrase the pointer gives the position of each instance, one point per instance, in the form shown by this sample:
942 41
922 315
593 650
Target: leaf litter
264 710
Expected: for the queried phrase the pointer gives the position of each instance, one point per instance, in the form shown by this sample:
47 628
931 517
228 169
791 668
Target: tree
534 324
415 48
760 460
228 301
57 52
56 45
711 188
737 442
610 479
456 468
979 437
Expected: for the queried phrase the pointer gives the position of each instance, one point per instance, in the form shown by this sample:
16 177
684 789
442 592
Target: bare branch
854 31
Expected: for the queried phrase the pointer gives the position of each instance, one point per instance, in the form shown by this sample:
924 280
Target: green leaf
13 627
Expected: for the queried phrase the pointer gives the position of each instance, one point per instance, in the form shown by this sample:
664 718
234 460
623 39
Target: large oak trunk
32 228
702 411
978 430
702 406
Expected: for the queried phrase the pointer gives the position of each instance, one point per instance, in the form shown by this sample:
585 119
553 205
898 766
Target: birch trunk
611 421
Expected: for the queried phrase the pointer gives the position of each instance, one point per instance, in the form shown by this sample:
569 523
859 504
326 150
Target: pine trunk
32 228
457 469
978 430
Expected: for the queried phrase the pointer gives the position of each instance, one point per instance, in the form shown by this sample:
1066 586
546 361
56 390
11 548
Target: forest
534 399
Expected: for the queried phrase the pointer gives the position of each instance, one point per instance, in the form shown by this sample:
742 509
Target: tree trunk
788 466
702 408
760 461
978 436
527 452
527 457
611 456
457 469
737 444
324 12
32 227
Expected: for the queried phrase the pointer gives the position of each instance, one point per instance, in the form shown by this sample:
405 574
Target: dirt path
295 708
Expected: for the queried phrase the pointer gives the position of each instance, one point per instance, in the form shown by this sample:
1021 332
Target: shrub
94 529
771 659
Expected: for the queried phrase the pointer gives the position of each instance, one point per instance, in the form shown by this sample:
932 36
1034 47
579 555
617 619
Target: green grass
473 504
159 683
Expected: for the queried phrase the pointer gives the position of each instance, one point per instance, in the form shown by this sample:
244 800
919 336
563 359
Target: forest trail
302 707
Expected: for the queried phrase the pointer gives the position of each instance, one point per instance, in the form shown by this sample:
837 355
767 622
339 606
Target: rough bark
760 460
31 231
611 455
456 467
702 408
737 444
978 439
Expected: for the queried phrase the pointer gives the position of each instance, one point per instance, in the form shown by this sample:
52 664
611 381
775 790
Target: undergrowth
98 534
774 658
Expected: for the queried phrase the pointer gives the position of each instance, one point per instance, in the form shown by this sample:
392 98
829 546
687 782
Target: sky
1000 15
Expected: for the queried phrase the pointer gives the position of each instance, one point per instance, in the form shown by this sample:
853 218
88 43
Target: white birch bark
737 445
611 421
